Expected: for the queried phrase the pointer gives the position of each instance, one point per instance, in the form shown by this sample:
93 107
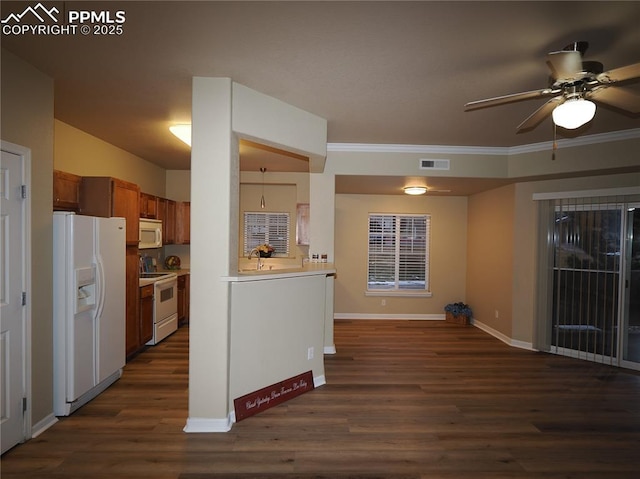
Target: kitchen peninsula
280 320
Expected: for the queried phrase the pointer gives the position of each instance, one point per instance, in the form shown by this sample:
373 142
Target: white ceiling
379 72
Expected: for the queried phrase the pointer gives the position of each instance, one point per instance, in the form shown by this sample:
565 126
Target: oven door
166 299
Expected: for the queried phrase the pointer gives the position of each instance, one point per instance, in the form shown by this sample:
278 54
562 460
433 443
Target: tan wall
525 234
448 253
282 192
490 252
27 120
178 185
85 155
502 250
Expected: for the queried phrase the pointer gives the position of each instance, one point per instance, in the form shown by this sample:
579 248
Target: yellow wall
490 252
27 120
85 155
447 253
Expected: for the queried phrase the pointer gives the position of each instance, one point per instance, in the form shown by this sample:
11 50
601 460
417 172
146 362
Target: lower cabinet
183 298
132 301
146 313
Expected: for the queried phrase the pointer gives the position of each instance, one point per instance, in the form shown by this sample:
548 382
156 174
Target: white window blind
398 252
266 228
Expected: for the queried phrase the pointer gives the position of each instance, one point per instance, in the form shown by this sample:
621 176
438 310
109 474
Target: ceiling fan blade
565 65
501 100
620 74
540 114
618 97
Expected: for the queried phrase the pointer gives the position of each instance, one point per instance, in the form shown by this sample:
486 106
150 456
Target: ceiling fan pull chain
555 144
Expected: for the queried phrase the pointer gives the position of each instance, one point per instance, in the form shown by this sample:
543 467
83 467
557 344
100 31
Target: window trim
396 291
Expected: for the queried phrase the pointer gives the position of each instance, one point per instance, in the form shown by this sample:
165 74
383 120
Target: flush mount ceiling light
182 131
415 190
574 113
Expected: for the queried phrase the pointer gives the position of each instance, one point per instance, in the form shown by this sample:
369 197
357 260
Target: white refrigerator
89 307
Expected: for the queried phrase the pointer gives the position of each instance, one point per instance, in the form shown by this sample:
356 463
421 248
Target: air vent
433 164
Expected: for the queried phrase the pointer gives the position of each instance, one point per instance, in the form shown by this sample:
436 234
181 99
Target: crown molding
485 150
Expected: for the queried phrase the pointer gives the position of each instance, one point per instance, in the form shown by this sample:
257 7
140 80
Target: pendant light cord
262 202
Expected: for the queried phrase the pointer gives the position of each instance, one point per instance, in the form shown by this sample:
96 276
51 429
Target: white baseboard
204 424
330 349
42 425
502 337
319 381
414 317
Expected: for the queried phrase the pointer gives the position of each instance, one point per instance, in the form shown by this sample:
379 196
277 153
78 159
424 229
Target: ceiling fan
573 87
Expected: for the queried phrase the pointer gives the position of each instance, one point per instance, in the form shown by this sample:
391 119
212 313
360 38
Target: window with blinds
266 228
398 252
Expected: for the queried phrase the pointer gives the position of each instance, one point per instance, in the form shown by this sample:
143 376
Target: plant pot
265 255
460 319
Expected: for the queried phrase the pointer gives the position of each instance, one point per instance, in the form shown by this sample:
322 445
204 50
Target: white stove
165 303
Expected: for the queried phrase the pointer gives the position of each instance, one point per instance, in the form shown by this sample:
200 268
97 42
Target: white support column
214 171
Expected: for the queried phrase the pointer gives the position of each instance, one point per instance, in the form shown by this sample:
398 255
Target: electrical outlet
383 302
310 353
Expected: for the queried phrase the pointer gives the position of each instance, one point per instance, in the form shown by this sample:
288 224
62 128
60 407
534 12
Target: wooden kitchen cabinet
183 298
167 214
146 314
183 222
148 206
169 226
66 191
105 196
132 334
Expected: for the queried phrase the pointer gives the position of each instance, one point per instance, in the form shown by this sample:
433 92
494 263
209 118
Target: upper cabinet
183 222
149 206
167 213
66 191
105 196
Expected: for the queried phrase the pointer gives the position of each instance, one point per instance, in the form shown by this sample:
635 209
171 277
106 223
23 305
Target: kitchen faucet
257 251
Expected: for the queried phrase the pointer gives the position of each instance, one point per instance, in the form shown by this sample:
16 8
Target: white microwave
150 234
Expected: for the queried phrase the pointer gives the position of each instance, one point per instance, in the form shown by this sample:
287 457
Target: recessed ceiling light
183 132
415 190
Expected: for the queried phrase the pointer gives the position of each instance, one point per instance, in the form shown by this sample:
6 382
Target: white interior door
12 310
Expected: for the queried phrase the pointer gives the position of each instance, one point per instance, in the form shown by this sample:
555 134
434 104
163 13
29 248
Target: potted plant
459 313
266 250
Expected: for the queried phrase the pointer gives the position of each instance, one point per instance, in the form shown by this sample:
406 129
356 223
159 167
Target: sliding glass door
631 300
587 244
589 298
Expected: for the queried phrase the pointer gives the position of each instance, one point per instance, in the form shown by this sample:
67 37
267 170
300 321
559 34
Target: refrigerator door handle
101 287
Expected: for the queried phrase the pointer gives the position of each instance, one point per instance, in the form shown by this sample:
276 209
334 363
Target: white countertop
309 269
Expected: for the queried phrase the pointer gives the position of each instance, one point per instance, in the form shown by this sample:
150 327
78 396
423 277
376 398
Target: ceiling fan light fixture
182 132
574 113
415 190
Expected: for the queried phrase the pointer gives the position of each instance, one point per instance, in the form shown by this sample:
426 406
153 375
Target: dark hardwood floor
403 399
